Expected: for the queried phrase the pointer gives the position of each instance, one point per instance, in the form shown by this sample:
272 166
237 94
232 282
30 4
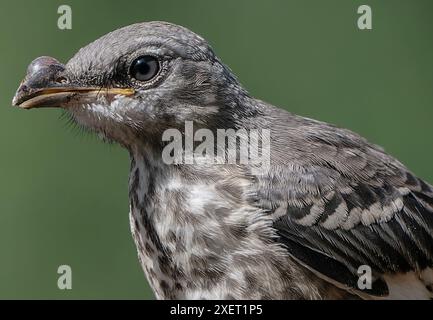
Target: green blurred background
63 194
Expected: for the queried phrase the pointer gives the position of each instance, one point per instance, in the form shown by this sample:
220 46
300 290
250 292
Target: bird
331 216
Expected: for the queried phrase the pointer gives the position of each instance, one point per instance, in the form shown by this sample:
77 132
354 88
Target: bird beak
45 85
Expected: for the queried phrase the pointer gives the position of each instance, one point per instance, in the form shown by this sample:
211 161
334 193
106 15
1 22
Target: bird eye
144 68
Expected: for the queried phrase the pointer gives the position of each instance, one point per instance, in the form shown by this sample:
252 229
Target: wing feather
339 202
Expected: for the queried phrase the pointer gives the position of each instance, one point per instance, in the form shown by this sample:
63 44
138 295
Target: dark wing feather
339 203
399 240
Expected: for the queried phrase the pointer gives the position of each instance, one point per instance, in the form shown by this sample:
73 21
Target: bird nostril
24 88
61 80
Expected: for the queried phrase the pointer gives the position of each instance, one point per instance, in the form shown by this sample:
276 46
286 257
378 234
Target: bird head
135 82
